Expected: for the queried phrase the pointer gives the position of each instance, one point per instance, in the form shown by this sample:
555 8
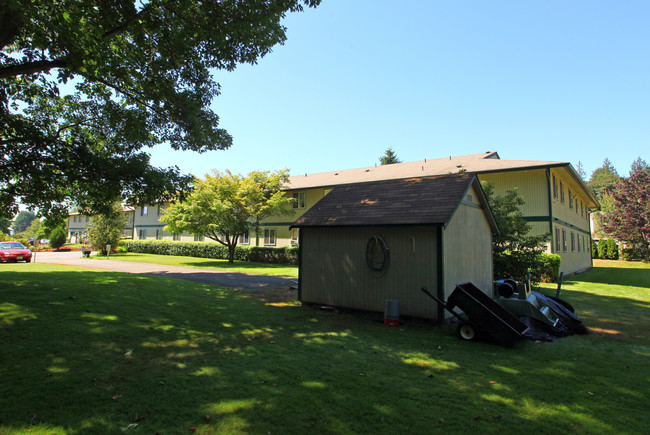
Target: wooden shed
363 244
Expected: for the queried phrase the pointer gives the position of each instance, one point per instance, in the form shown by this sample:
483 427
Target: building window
244 239
555 191
299 200
562 192
144 210
579 250
198 237
573 241
160 209
570 200
577 202
269 237
142 234
564 241
558 245
176 237
295 234
159 234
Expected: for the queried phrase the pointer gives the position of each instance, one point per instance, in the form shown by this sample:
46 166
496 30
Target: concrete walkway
243 281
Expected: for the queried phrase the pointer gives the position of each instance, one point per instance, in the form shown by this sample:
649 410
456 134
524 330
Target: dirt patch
276 294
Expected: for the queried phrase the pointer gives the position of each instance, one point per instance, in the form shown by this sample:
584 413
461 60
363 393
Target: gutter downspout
550 209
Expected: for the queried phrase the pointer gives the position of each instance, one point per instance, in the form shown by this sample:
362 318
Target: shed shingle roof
423 200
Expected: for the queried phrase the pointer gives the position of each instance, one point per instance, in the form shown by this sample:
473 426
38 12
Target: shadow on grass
91 351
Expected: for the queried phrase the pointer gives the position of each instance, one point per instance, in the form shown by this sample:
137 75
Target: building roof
476 163
412 201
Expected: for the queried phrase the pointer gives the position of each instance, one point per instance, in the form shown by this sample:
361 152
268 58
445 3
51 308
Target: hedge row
258 254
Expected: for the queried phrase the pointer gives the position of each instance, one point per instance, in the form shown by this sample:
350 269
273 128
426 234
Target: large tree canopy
629 218
87 84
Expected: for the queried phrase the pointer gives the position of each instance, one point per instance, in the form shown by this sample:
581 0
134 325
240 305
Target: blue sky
541 80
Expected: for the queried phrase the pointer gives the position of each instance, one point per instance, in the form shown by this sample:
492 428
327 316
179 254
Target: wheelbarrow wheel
466 331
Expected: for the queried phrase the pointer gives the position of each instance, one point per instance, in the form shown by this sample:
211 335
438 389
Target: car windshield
13 245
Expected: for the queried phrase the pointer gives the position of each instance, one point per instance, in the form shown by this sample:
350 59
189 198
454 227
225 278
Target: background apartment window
269 237
176 237
562 192
144 211
159 234
295 233
558 245
564 240
570 200
244 239
555 191
160 209
198 237
299 200
142 234
573 241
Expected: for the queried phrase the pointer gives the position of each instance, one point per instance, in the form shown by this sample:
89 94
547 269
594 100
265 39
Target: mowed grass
207 263
86 351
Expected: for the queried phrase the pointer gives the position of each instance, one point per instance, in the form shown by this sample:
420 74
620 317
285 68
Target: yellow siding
532 186
570 218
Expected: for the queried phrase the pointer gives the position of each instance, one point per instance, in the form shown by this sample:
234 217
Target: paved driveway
243 281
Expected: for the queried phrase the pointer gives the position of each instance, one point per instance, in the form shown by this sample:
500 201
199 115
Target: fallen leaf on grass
117 397
129 427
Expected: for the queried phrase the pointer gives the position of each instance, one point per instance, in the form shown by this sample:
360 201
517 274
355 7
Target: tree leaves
138 74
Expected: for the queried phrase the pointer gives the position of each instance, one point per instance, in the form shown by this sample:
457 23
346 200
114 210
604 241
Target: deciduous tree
225 206
86 85
23 221
629 219
107 228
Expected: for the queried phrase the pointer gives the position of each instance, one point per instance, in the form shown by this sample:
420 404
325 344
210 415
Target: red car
14 251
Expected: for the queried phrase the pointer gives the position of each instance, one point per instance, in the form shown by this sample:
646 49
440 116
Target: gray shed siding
334 270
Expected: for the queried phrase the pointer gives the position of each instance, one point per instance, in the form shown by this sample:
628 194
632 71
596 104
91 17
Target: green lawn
207 263
86 351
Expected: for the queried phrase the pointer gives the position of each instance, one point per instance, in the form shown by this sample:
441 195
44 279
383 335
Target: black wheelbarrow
484 316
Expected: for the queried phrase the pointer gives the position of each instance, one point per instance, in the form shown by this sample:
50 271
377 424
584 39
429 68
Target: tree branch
125 25
32 67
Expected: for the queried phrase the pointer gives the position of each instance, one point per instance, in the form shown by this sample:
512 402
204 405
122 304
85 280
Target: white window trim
272 241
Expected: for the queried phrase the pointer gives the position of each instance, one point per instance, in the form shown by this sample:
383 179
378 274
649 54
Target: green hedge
258 254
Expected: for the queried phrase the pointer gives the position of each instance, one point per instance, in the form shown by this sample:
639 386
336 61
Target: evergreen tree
515 252
603 179
389 158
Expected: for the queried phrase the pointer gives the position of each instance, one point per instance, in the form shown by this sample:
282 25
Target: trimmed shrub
612 249
550 267
602 249
594 249
258 254
630 253
58 238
